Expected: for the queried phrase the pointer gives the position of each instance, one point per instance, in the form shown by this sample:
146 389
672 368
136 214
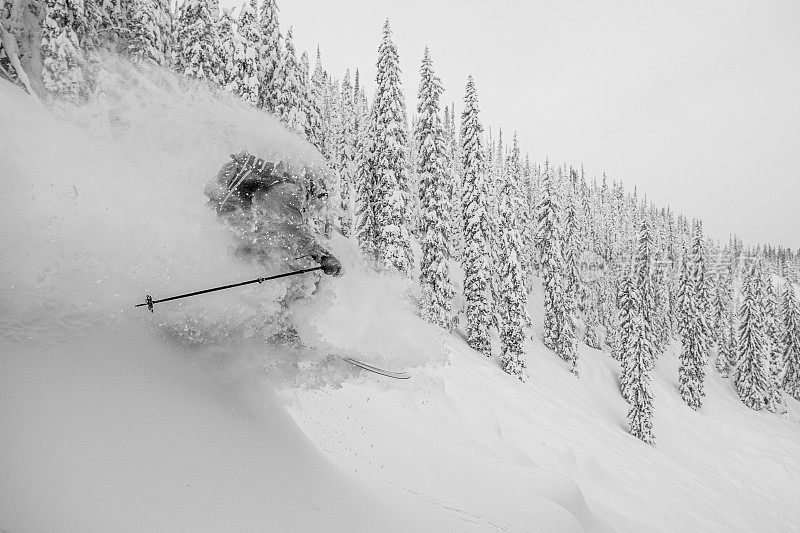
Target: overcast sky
695 102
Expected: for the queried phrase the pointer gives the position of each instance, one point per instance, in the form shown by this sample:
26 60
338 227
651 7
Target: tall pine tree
636 362
474 205
694 330
773 327
248 54
269 55
647 290
346 152
513 297
314 118
751 376
195 46
317 94
144 44
229 46
289 99
366 229
519 209
567 344
437 289
791 342
723 323
390 164
62 58
549 245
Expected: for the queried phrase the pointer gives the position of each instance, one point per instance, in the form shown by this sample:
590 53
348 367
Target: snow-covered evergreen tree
720 303
347 151
592 317
640 416
229 48
269 55
637 337
107 25
522 217
98 25
178 19
521 172
694 330
791 342
630 327
549 245
365 188
247 59
414 207
751 376
428 134
289 99
164 24
316 90
317 96
533 176
437 288
20 41
567 343
474 205
723 324
333 126
390 164
636 362
513 296
455 233
330 120
647 291
774 339
360 108
305 92
495 173
195 49
661 319
63 63
10 65
144 44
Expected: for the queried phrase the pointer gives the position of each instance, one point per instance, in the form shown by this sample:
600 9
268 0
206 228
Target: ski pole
149 302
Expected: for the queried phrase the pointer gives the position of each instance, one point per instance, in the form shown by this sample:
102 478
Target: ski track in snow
185 419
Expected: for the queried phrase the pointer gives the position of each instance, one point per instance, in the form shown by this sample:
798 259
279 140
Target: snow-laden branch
12 51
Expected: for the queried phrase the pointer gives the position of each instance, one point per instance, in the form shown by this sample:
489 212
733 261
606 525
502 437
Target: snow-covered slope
112 418
504 454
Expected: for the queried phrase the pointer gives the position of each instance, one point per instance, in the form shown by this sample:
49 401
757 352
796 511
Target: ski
370 368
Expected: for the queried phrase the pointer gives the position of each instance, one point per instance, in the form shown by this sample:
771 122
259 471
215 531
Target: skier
269 207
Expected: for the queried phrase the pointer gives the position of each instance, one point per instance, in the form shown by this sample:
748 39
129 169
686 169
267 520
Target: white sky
696 103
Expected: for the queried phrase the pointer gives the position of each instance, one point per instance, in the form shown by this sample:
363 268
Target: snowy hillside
113 418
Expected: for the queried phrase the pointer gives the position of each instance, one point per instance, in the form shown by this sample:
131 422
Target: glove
331 266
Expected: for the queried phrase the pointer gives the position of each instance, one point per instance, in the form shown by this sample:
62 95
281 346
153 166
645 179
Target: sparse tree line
617 272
